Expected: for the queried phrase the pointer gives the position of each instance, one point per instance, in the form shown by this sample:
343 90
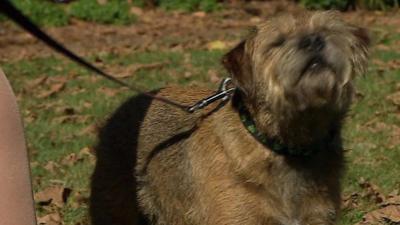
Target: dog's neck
306 128
307 131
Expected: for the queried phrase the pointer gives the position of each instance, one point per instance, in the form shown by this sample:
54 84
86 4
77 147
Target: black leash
14 14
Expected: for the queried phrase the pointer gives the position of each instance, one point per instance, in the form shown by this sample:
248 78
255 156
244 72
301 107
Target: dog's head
291 64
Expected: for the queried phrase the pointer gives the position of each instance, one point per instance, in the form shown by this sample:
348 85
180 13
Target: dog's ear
363 35
361 52
237 63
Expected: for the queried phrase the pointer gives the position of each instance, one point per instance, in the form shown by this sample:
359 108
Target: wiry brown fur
159 165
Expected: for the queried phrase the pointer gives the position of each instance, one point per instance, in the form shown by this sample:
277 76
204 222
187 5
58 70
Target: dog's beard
317 79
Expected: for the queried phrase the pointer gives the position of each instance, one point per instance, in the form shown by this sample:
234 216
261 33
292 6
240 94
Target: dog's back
142 137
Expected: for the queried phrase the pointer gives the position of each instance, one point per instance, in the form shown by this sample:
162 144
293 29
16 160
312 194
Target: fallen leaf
131 70
136 11
392 199
71 159
54 89
394 98
255 19
386 215
102 2
199 14
376 126
350 201
87 104
50 219
393 64
36 82
57 79
394 140
371 191
110 92
213 75
187 74
51 166
88 153
78 200
216 45
91 129
55 195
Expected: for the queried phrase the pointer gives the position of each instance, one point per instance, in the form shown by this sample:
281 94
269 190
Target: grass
50 14
42 12
113 12
190 5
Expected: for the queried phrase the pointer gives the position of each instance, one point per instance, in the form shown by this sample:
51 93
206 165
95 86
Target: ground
63 105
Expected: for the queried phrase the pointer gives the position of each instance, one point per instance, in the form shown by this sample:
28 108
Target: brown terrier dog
270 156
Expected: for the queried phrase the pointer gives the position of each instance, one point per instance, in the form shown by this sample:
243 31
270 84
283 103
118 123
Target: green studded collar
273 144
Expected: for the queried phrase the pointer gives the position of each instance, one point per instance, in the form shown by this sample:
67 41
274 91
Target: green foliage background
113 12
49 13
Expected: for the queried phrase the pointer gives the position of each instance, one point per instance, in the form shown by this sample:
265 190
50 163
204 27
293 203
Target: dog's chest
293 197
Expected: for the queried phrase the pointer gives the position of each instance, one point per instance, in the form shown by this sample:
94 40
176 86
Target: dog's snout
312 42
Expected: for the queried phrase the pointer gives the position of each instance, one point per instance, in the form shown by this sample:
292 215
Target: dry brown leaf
55 195
51 166
87 105
216 45
91 129
36 82
350 201
187 74
54 89
71 159
87 152
102 2
393 64
136 11
383 47
199 14
131 70
371 191
50 219
376 126
394 140
110 92
57 79
386 215
29 116
394 98
213 75
391 213
392 199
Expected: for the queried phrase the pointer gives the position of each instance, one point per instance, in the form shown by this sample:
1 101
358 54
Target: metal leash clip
223 94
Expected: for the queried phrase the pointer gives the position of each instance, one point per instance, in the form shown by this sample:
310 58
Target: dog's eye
278 42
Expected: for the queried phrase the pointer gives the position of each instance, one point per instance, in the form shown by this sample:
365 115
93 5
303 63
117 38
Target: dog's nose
312 42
